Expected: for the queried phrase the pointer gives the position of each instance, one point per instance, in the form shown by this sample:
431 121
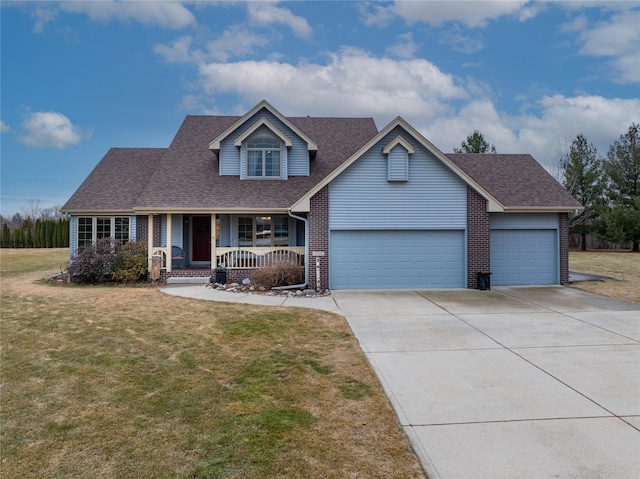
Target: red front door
201 238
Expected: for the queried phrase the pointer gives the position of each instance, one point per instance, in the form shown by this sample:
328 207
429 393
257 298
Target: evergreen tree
6 235
581 172
475 143
621 216
49 233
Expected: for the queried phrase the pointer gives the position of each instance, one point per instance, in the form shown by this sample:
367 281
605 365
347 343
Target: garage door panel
396 259
524 257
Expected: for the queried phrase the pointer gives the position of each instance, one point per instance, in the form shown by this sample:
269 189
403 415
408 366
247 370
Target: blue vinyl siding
176 230
296 159
361 197
513 221
73 236
398 163
397 259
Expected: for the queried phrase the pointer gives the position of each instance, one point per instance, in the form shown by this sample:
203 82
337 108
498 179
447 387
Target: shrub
278 273
131 265
94 263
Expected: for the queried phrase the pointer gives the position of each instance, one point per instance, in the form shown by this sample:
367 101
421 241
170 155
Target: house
359 207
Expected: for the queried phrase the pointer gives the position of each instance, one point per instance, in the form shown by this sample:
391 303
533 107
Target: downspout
306 255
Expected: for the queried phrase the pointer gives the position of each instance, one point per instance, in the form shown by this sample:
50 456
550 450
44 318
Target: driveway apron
516 382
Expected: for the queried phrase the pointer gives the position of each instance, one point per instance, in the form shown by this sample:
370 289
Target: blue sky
80 77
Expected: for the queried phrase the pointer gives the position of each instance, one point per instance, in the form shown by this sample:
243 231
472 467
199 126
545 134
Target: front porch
194 245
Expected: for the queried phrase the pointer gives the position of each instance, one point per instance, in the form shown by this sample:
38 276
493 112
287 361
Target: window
263 231
263 158
103 228
92 228
85 231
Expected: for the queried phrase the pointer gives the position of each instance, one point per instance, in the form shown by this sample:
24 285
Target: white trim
264 122
398 140
215 143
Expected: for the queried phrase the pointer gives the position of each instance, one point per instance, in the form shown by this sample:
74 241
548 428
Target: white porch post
150 239
169 254
213 241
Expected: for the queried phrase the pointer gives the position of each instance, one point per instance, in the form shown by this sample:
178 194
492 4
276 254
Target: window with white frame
92 228
263 231
263 158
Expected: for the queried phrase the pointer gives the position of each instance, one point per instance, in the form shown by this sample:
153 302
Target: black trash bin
221 276
484 281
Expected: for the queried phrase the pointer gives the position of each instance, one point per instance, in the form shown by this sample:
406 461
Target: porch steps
188 280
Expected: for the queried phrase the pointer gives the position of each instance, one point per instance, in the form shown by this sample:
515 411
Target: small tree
581 171
621 215
6 235
475 143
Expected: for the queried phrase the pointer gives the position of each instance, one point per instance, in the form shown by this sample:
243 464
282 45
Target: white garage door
524 257
396 259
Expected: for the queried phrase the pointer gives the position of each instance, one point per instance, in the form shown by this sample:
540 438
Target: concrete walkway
517 382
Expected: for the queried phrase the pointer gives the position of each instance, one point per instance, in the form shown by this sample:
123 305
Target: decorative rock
246 281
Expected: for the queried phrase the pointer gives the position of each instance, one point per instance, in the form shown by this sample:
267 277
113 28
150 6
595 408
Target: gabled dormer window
398 152
264 158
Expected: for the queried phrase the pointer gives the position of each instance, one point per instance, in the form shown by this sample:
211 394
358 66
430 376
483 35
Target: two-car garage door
396 259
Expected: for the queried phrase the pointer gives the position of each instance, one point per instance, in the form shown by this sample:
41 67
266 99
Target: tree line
607 186
37 228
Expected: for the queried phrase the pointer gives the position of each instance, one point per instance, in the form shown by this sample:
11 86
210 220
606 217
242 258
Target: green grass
103 382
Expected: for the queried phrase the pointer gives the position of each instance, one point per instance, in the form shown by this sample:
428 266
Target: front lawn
621 269
111 381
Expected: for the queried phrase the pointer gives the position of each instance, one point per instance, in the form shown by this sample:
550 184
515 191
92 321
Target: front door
201 238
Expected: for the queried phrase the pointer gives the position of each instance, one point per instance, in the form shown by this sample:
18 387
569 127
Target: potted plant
221 275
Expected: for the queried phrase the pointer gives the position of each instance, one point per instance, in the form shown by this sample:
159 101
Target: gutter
306 255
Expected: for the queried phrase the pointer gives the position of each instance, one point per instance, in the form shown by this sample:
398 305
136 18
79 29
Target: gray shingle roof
516 181
185 176
116 181
188 178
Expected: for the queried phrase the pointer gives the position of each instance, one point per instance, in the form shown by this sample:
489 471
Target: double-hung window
263 231
263 158
92 228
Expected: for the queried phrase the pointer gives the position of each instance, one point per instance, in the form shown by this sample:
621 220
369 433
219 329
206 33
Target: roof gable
263 122
303 203
215 143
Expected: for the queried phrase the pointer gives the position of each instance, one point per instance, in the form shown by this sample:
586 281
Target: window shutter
398 164
284 173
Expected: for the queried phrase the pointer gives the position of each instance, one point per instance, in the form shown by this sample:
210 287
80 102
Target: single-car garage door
396 259
524 257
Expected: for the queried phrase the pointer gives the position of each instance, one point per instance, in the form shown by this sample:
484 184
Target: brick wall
564 248
478 237
319 238
142 228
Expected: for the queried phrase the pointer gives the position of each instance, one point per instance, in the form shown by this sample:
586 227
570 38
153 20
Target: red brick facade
478 237
319 239
564 248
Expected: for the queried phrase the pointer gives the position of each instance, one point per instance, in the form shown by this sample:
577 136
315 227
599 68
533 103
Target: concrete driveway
511 383
517 382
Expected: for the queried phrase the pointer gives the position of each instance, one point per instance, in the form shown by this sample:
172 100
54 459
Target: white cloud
50 129
166 14
411 87
178 52
617 39
265 13
236 41
405 47
4 128
471 13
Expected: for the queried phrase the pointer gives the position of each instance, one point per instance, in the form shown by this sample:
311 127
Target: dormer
263 144
398 151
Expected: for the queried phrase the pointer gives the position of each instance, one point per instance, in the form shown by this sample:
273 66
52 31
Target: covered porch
194 244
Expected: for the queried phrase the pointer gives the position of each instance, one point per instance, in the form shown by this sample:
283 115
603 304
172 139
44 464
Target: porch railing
244 258
247 258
